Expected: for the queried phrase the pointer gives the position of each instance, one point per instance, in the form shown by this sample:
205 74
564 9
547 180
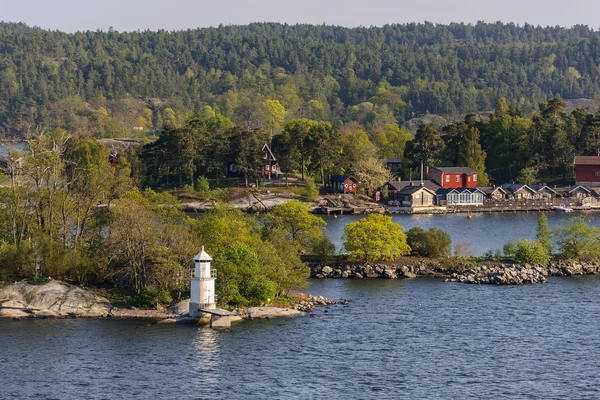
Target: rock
358 276
181 308
409 275
345 274
326 270
271 312
13 313
58 297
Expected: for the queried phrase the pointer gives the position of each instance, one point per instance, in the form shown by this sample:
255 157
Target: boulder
409 275
57 297
271 312
326 270
181 308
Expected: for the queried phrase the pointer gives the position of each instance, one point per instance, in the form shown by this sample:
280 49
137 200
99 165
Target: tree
391 141
295 223
543 234
371 173
531 252
274 113
375 237
470 154
576 239
432 243
528 176
428 142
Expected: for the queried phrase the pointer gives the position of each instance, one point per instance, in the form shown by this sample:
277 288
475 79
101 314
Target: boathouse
343 184
416 197
587 170
519 191
493 192
394 187
578 191
460 196
453 177
544 191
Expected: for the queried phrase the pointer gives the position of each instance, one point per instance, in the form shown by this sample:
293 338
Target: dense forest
119 84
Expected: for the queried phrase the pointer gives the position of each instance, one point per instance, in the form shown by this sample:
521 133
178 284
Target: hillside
122 83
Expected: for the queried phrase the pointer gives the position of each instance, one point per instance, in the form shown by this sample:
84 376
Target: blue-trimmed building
460 196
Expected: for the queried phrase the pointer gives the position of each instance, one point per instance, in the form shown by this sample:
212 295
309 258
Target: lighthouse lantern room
202 286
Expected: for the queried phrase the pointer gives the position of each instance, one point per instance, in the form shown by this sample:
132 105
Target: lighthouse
202 286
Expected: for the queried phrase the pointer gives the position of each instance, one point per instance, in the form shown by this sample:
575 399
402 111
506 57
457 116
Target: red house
343 184
587 170
453 177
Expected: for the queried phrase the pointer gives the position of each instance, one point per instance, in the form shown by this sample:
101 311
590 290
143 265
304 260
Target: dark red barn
454 177
587 170
343 184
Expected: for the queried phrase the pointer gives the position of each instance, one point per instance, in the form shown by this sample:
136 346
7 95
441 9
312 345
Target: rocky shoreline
494 273
56 299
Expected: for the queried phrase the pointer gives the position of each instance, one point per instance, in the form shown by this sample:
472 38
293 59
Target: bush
39 280
202 187
432 243
509 249
311 192
376 237
151 297
531 252
577 239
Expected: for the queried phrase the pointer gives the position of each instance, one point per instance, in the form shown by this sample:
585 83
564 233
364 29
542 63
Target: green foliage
202 187
311 192
375 237
295 223
577 239
432 243
39 280
528 176
543 234
151 296
252 268
509 249
531 252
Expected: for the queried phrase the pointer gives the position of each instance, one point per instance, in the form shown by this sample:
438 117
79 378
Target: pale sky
127 15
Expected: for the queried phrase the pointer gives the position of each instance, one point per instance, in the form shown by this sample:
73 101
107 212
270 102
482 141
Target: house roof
456 170
490 189
413 189
539 187
586 160
515 187
342 178
575 187
269 152
399 185
458 190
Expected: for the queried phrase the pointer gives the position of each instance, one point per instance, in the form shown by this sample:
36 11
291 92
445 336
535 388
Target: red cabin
454 177
343 184
587 170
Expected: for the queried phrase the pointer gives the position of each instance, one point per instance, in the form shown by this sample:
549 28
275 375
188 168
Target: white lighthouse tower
202 293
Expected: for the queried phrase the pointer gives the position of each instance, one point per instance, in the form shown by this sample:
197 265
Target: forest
124 83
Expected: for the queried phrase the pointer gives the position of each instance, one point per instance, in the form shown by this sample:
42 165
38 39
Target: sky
128 15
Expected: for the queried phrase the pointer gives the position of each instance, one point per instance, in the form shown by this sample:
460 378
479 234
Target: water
484 231
413 339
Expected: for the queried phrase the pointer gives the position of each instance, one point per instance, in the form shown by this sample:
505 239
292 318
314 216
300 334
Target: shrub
376 237
202 187
509 249
311 192
531 252
577 239
39 280
432 243
463 249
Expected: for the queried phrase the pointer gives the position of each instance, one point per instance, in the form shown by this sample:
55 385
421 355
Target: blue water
412 339
484 232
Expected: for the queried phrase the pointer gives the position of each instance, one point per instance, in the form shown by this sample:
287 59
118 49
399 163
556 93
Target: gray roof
393 161
575 187
413 189
457 170
342 178
490 189
399 185
514 187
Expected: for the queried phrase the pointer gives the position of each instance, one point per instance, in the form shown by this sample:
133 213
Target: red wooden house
453 177
343 184
587 170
